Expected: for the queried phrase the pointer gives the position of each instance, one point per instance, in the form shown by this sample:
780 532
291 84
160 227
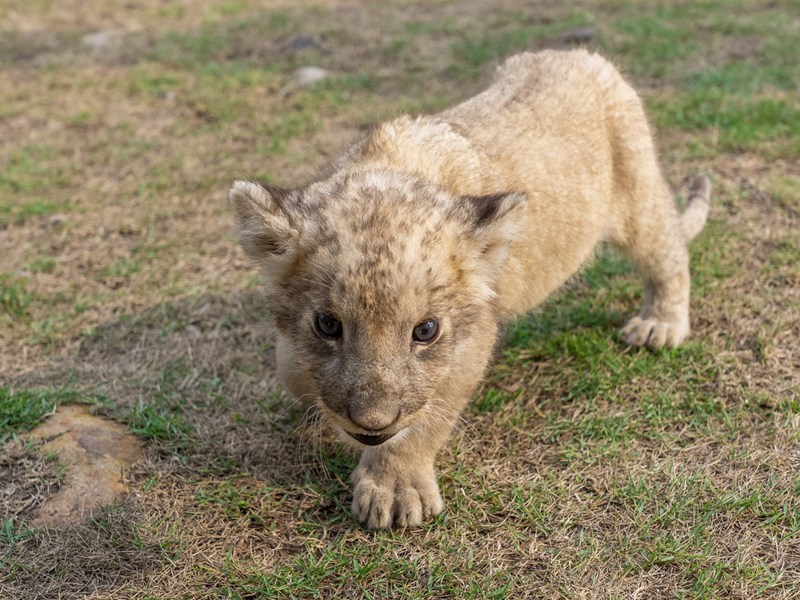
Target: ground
583 468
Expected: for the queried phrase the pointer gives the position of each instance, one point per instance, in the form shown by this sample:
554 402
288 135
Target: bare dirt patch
95 454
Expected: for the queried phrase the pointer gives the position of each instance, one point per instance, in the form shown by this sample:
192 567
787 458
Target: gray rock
582 35
101 40
307 76
304 42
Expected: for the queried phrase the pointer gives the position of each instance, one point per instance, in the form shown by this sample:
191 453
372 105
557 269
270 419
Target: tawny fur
472 216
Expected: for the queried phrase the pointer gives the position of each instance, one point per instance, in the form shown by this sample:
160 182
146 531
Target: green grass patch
785 255
770 124
23 410
42 265
567 322
14 297
656 41
124 268
678 513
583 368
29 171
491 400
155 80
507 35
238 501
45 331
741 77
31 184
385 568
18 212
786 192
157 415
156 420
12 532
280 130
711 262
743 101
226 41
331 97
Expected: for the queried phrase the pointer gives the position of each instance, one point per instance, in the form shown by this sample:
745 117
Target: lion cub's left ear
495 221
267 224
492 209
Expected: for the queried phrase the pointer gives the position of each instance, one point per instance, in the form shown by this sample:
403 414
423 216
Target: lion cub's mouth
371 440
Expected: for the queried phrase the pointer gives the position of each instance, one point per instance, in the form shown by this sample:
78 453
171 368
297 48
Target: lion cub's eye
425 332
327 326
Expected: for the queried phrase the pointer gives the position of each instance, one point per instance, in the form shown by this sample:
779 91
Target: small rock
582 35
95 452
127 228
308 76
304 42
57 220
100 40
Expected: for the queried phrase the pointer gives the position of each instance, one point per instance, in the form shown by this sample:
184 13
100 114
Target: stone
304 42
581 35
307 76
101 40
57 220
96 453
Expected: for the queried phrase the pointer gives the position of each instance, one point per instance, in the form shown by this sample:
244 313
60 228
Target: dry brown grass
28 479
679 479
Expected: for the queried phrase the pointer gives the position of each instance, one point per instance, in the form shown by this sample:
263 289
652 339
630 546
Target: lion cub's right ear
266 224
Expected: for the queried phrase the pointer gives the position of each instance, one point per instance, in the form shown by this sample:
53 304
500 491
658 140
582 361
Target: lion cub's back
536 97
544 129
554 67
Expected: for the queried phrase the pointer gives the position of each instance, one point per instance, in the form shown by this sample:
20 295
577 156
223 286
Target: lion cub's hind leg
655 240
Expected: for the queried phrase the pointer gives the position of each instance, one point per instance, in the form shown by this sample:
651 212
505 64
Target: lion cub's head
381 289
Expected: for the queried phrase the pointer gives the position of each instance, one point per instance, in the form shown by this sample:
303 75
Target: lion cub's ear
266 224
490 210
495 221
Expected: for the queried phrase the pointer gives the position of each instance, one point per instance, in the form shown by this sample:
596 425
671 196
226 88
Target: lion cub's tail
696 212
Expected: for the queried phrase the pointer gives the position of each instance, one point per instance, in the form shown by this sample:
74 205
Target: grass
32 174
153 420
19 213
23 410
123 268
14 298
582 468
735 123
371 575
509 34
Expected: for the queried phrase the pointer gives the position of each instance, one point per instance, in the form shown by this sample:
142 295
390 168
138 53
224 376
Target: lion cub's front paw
653 333
383 496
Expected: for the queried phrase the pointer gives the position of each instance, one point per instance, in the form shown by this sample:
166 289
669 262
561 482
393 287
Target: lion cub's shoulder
428 147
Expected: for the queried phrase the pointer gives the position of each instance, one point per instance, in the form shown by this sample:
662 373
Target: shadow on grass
196 378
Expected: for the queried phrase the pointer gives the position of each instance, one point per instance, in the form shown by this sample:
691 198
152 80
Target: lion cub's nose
371 418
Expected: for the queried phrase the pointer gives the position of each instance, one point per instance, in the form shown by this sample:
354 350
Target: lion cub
387 280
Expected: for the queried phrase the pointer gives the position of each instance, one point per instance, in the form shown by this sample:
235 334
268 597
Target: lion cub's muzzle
376 424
